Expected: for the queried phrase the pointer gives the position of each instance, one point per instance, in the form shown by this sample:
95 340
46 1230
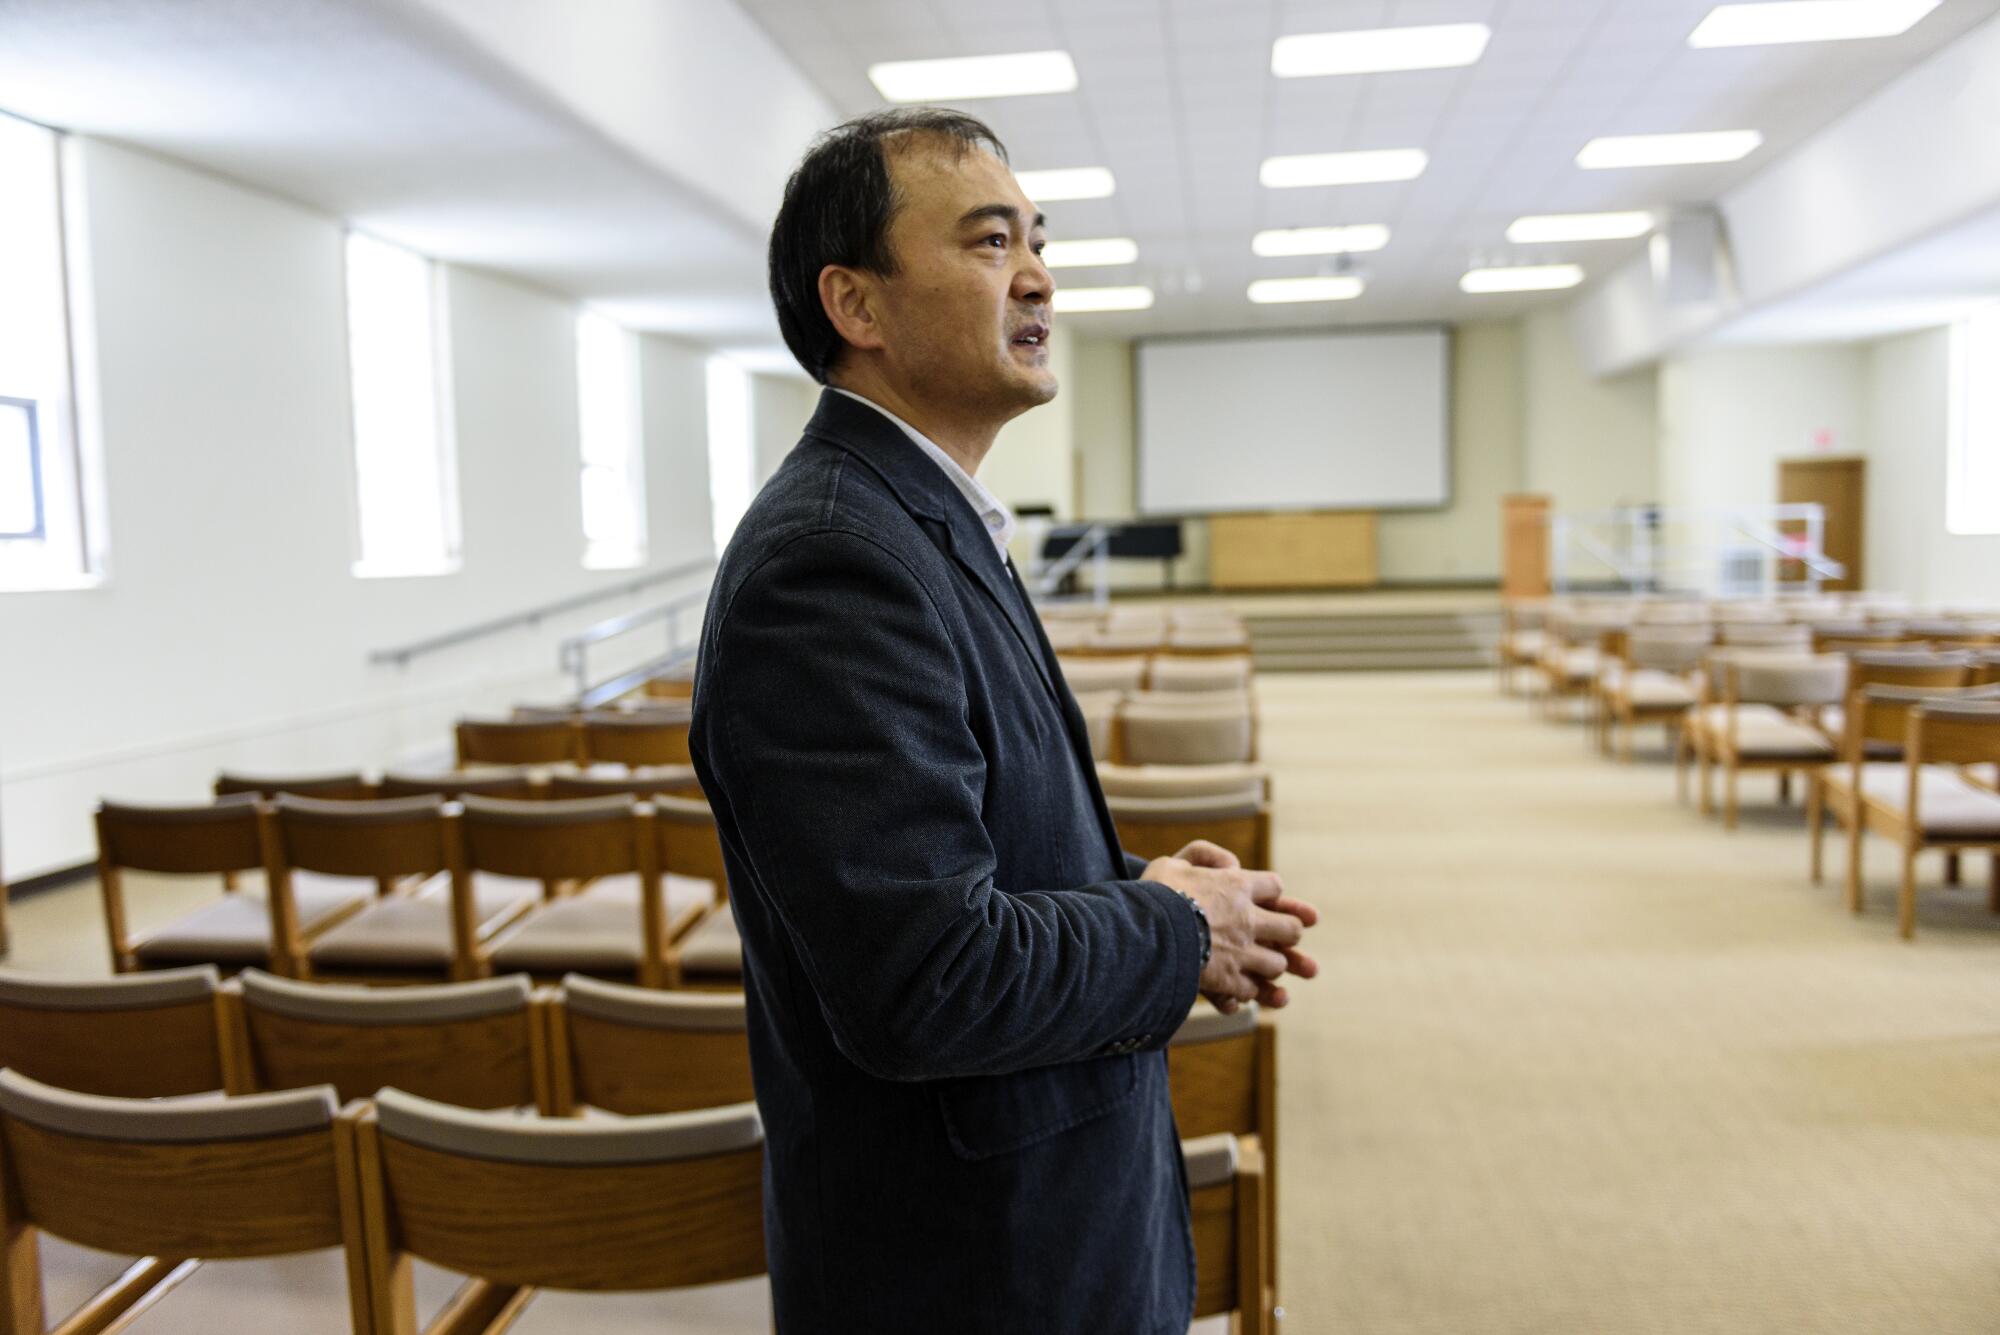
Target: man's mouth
1034 336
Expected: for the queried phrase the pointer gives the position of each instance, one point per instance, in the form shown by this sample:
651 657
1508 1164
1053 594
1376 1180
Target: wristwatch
1201 917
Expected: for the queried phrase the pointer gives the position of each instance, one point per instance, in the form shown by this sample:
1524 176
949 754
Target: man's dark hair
837 210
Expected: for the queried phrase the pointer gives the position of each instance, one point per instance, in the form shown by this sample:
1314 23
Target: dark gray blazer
958 996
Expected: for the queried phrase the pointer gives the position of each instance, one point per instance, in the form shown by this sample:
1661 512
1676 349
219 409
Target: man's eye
1000 237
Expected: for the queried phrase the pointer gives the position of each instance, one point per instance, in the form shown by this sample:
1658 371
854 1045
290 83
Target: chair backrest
219 1178
636 1050
1785 680
593 1204
1890 667
1222 1074
478 1044
1227 1193
1961 731
1200 673
1100 713
521 782
1184 780
568 840
507 742
1764 635
688 842
347 786
625 739
387 839
1160 734
1157 827
673 683
1986 666
1110 673
142 1035
1665 647
1127 638
1517 614
218 838
1884 713
643 781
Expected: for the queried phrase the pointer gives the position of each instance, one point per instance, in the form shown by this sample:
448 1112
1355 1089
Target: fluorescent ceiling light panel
1348 240
1807 21
1522 278
1547 227
1380 164
1047 187
1379 50
966 77
1336 287
1080 254
1669 150
1072 300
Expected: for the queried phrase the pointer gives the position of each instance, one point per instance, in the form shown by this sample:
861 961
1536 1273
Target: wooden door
1838 485
1524 546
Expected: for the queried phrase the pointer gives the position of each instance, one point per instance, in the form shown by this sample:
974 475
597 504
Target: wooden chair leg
1626 745
1679 739
1707 782
20 1281
1729 796
1816 825
1993 881
1906 899
1784 787
1856 823
1953 871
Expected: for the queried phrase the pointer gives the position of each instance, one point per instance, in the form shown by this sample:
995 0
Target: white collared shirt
992 511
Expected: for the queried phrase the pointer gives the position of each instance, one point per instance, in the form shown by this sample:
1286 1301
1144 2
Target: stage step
1333 642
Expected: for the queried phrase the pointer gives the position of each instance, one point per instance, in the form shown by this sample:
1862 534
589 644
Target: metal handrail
1093 542
402 654
573 654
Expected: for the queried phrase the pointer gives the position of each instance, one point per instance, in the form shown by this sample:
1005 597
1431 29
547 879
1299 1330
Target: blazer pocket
998 1114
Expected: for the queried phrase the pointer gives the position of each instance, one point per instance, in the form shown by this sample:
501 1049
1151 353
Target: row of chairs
557 735
1165 673
585 1046
628 883
1084 630
1894 725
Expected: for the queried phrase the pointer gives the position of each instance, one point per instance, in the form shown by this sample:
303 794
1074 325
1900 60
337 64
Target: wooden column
1524 546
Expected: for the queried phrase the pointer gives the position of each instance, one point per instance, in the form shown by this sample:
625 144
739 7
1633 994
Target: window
1972 476
614 481
46 537
405 483
731 454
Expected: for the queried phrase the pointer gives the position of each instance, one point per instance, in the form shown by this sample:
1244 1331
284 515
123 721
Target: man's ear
851 301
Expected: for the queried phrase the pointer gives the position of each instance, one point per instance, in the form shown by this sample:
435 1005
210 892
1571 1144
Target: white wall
1033 462
1589 443
1909 549
1729 415
229 632
780 407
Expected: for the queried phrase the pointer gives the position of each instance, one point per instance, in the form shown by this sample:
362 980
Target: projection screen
1322 421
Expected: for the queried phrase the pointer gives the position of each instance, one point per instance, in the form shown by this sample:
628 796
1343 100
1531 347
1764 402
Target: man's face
966 317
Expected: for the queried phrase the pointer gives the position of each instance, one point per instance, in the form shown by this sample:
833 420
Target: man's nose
1034 283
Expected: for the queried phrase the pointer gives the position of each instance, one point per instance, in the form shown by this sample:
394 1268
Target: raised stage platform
1365 630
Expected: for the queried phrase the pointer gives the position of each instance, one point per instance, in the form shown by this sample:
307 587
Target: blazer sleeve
839 740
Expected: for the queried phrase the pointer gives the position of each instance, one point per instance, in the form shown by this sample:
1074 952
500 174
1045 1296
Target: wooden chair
479 1045
1174 671
1521 638
633 1051
402 936
644 781
620 929
1222 1072
674 683
1091 675
1121 640
506 742
1651 682
1571 657
1228 1185
1926 803
709 954
634 740
345 786
1959 634
1203 640
140 1036
1846 637
1195 731
611 1205
172 1182
523 783
1986 667
1100 719
207 840
1755 725
1157 827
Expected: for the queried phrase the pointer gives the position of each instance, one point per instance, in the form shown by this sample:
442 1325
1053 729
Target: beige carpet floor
1580 1062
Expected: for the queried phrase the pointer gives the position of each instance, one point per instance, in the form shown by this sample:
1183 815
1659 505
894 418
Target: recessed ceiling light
963 78
1669 150
1078 254
1334 287
1380 164
1321 240
1522 278
1073 300
1807 21
1046 187
1379 50
1546 227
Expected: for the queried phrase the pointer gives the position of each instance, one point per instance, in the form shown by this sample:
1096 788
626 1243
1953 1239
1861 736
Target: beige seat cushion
1715 718
684 894
713 949
1170 737
1649 688
1526 645
582 932
1781 739
236 929
1179 780
1947 805
1833 722
1573 664
414 931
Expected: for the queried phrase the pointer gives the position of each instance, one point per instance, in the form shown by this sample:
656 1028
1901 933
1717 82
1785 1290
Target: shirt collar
993 513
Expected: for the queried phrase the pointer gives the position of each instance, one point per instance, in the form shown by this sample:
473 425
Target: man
958 985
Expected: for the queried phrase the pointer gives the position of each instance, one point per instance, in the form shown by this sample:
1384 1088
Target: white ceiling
1176 97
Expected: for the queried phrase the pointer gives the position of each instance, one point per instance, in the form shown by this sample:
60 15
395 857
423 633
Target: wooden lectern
1524 546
